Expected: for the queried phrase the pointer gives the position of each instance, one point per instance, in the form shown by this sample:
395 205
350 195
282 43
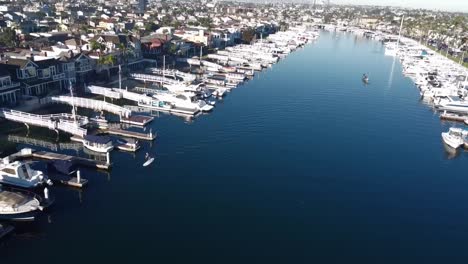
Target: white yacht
455 137
20 174
184 100
452 104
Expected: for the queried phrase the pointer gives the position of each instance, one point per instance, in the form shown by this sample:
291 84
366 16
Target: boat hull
99 150
452 141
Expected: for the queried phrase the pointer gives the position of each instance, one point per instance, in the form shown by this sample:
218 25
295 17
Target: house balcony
58 76
10 86
83 68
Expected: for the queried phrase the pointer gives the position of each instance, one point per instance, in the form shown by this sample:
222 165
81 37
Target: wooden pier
453 117
131 134
139 120
76 182
44 155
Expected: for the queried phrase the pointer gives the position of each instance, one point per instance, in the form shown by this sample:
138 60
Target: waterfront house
84 69
9 90
154 45
36 77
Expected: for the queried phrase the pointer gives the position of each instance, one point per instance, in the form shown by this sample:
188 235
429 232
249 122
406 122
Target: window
9 171
24 172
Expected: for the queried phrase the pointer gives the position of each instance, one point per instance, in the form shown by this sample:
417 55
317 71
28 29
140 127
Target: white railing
54 122
43 143
107 92
186 76
12 85
92 104
59 76
152 78
84 68
116 93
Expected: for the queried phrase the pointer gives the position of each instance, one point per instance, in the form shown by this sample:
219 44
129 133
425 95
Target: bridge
92 104
63 122
152 78
44 144
187 77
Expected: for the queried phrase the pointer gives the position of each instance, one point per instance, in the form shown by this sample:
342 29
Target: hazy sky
446 5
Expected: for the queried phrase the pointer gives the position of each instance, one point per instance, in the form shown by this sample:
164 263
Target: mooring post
78 176
46 193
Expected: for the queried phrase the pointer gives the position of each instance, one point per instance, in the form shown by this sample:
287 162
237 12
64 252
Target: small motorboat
148 159
19 205
20 174
455 137
365 78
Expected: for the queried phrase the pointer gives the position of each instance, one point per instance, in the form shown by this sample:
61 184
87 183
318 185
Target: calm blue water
303 164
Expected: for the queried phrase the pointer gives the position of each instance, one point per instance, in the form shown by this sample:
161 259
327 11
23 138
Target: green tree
248 35
108 60
205 22
172 49
8 37
96 45
150 27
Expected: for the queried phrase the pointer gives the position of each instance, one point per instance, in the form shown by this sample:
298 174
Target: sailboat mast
399 33
164 69
73 102
120 77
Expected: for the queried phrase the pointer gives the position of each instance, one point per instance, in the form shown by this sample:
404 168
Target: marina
171 91
261 154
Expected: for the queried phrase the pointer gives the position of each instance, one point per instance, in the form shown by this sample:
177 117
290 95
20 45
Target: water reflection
450 153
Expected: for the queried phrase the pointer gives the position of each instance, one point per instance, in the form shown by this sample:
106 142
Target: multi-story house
84 69
35 77
9 90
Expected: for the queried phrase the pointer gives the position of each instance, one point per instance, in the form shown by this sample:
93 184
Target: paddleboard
148 162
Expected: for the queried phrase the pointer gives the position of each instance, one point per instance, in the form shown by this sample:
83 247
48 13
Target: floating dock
453 117
139 120
68 180
33 154
131 134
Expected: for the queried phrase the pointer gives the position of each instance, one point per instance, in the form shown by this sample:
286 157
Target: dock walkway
131 134
63 122
152 78
27 153
92 104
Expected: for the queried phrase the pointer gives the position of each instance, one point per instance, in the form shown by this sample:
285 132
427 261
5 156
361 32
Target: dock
27 153
68 180
131 134
453 117
138 120
5 230
76 182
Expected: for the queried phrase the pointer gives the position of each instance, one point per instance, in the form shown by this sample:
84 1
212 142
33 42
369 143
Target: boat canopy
63 166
